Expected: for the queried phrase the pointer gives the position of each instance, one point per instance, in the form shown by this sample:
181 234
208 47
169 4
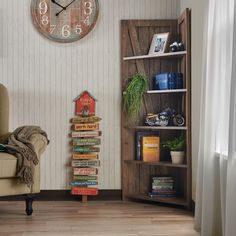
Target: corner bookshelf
136 37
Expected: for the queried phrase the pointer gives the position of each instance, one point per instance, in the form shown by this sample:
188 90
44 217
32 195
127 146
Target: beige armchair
9 184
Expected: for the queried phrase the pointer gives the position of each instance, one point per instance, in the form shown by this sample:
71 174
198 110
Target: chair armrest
39 142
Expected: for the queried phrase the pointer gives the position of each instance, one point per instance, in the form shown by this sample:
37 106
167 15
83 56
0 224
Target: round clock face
64 20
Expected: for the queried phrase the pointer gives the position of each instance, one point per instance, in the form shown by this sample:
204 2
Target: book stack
85 141
163 187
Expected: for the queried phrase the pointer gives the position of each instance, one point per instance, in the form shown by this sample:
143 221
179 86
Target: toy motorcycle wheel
179 120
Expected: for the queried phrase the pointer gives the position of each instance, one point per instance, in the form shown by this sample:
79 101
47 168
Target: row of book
162 187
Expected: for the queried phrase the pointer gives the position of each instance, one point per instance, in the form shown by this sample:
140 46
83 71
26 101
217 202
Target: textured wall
43 77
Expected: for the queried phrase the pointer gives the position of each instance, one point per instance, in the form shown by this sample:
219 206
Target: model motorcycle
166 117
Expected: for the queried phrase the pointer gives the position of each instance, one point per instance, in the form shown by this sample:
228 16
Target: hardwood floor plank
94 218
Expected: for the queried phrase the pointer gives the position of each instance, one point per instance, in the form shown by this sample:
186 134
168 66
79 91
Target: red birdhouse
85 104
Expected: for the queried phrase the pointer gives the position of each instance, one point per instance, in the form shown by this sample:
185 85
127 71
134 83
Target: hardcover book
85 171
165 195
162 178
162 186
172 81
84 191
151 148
180 81
138 142
160 82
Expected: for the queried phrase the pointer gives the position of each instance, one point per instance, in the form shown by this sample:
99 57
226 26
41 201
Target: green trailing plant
177 144
133 94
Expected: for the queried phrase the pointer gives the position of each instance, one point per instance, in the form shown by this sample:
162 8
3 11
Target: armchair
9 184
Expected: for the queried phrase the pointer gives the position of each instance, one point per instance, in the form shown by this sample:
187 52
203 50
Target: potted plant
176 147
133 94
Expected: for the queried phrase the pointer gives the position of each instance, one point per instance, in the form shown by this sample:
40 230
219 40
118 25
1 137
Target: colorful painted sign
90 119
85 163
78 156
88 126
85 104
86 134
86 141
85 171
85 177
84 191
83 183
86 149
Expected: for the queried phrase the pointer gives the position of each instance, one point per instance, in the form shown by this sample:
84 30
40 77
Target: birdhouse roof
83 94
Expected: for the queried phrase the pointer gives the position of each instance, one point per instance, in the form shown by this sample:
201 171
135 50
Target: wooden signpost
85 139
85 163
85 134
78 156
84 126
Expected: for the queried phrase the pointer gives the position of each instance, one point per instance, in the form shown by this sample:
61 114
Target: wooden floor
94 219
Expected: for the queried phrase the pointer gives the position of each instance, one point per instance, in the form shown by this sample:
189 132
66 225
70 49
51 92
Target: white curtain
216 182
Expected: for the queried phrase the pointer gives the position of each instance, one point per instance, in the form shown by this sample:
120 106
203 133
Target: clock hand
58 4
58 13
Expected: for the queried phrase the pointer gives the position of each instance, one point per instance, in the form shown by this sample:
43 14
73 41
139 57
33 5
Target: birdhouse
85 104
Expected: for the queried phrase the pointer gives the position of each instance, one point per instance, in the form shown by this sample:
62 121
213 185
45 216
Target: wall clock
64 20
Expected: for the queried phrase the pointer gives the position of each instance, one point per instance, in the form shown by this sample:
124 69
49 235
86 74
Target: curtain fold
215 210
230 222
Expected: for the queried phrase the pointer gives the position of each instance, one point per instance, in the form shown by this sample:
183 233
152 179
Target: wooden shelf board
160 127
160 55
173 201
161 163
167 91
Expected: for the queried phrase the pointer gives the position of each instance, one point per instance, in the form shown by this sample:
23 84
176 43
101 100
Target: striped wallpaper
43 77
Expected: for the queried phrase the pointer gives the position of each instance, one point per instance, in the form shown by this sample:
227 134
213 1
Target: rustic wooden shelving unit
136 38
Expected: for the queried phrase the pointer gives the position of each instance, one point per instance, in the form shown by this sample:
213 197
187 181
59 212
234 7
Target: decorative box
167 81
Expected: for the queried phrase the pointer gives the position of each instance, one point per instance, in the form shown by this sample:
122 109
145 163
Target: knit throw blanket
18 144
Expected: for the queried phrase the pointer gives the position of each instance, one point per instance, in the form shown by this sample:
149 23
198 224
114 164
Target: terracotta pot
177 157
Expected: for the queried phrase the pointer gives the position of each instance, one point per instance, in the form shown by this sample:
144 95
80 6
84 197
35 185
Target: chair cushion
7 165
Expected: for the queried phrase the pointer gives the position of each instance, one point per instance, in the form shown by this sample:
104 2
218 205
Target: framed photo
159 43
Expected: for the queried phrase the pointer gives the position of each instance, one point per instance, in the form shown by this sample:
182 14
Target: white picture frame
159 43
